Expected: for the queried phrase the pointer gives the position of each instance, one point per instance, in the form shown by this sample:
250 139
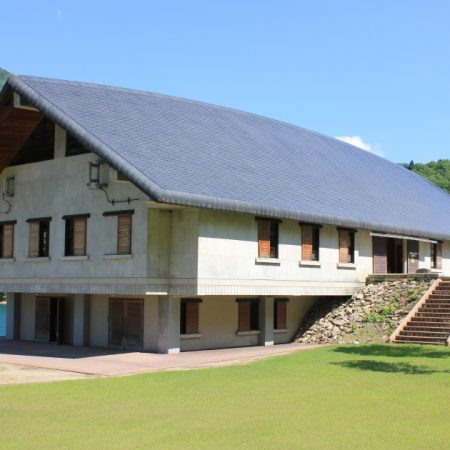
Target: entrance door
126 320
49 319
413 256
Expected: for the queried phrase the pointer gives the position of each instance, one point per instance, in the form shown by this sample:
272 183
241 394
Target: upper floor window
248 314
7 239
310 242
189 316
124 228
76 231
346 245
39 237
436 255
267 237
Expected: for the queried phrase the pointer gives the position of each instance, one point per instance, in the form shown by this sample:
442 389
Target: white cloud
357 141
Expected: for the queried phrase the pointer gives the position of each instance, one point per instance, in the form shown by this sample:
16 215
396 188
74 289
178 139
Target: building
140 221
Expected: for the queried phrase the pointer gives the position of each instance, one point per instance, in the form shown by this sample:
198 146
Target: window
279 313
436 255
39 237
189 316
7 239
267 238
76 228
310 242
124 223
346 245
248 314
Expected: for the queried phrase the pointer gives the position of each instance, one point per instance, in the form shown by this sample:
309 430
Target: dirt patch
16 374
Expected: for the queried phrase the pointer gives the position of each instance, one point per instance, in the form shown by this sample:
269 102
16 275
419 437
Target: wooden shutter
307 243
33 240
79 236
192 310
438 255
413 256
280 315
124 234
379 250
264 239
244 316
8 240
344 246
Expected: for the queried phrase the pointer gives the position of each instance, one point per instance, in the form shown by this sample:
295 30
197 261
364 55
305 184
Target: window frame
43 246
11 223
436 255
69 237
351 258
122 213
268 237
315 241
250 307
189 306
280 303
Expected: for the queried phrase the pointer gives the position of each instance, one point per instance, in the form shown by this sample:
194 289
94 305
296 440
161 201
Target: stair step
425 323
439 296
421 338
417 341
431 308
415 326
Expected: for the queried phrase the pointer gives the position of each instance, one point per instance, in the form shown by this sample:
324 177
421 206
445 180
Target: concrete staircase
429 320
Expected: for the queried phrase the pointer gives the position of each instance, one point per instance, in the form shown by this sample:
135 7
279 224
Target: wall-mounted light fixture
10 186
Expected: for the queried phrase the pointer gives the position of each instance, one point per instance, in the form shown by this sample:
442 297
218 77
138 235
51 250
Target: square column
13 316
266 321
169 324
81 322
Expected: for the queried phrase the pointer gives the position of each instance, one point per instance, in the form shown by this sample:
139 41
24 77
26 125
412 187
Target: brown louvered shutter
379 251
344 245
307 243
439 255
79 236
192 317
244 316
8 240
124 234
33 240
281 315
264 239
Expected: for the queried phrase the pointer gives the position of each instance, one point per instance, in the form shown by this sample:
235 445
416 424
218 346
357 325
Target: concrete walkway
93 361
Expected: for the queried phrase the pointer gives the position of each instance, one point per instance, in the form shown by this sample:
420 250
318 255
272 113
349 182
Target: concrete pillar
169 324
13 316
81 308
266 321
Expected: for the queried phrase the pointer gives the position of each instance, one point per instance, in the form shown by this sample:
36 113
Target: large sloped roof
186 152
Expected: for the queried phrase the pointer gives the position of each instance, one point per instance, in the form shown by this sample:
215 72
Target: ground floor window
436 255
279 313
248 314
189 316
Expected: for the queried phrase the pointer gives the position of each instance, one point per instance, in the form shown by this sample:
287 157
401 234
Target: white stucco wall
59 187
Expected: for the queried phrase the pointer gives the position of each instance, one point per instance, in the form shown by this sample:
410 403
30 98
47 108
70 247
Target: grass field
374 396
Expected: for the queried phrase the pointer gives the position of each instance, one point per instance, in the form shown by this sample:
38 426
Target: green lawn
367 396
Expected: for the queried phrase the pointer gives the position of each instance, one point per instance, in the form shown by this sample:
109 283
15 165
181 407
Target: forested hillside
438 172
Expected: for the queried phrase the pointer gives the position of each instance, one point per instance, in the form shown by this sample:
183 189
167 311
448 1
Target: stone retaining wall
371 314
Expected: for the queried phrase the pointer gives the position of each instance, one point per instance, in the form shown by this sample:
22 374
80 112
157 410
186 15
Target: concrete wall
218 324
59 187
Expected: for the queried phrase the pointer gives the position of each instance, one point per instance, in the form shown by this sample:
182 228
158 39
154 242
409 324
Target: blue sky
374 70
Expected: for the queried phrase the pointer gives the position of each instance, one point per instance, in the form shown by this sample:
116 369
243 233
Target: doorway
49 319
126 323
387 255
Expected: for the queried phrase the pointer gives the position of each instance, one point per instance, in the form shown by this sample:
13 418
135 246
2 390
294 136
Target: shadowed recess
401 351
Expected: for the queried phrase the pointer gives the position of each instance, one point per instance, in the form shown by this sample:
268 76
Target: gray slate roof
186 152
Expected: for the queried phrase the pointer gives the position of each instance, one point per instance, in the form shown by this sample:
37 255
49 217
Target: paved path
93 361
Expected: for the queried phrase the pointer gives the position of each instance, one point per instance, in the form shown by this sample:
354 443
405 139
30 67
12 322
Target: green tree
3 77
